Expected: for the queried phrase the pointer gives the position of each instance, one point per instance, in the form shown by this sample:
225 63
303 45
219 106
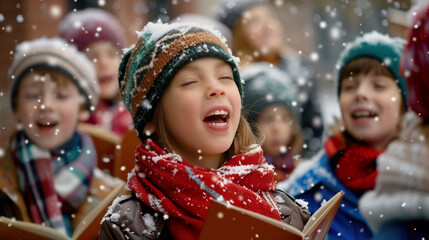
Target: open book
88 226
225 221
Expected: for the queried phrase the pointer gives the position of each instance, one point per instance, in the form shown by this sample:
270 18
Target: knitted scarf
355 164
54 183
182 192
114 117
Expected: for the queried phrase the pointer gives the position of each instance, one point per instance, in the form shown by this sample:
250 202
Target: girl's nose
215 89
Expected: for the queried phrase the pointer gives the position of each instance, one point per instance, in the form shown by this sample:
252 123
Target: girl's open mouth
217 118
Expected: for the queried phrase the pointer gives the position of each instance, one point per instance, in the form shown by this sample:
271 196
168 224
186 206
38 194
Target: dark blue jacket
318 182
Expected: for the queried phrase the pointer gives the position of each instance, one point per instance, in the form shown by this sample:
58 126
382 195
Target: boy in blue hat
372 96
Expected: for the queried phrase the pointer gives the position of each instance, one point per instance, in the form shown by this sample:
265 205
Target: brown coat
138 221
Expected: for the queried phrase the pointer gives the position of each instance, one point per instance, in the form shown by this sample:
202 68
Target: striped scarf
182 192
54 183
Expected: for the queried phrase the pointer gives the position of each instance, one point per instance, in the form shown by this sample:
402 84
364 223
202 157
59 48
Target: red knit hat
91 25
415 62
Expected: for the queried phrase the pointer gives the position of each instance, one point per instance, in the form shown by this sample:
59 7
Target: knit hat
266 85
201 19
148 67
381 47
230 11
85 27
415 61
54 54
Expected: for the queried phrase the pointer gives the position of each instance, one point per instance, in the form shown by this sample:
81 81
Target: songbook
89 215
225 221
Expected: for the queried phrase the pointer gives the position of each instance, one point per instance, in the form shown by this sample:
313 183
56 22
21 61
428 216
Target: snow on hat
85 27
381 47
415 61
266 85
54 54
230 11
148 67
201 19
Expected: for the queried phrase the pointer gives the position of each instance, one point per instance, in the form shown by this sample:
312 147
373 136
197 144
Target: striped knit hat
161 51
54 54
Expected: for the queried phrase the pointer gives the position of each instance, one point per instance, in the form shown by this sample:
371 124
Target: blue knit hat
381 47
266 85
148 67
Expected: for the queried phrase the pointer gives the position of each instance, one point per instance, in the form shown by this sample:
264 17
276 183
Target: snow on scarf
182 192
54 183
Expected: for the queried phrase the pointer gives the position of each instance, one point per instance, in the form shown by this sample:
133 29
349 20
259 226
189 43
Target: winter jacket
302 74
129 218
315 181
115 118
398 207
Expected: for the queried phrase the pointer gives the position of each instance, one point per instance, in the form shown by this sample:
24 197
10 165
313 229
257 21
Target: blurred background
318 30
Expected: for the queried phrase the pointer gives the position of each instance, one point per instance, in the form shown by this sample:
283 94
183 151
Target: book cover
225 221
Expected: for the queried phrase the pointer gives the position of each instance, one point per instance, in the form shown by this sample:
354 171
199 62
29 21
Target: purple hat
85 27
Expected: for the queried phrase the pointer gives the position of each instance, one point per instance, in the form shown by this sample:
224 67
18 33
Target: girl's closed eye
189 82
227 77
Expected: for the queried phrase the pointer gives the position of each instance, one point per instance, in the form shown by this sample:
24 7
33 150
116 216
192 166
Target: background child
272 107
372 97
53 88
258 37
398 207
98 34
183 89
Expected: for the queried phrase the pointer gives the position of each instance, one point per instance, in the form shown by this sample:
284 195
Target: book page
321 220
11 230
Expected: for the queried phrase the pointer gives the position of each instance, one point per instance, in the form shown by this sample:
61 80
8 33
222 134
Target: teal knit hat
381 47
266 85
148 67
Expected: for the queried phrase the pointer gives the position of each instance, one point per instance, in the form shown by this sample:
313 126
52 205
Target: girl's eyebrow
221 64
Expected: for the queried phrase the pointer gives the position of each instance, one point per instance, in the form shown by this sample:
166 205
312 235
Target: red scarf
356 165
182 192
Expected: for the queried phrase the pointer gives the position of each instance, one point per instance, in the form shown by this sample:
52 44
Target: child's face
276 123
371 108
48 109
263 30
201 108
106 58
